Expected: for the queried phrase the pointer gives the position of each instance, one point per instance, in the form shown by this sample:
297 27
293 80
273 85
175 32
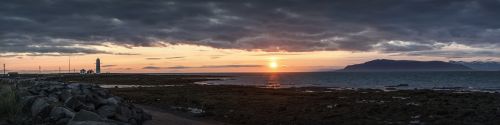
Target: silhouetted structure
4 70
83 71
13 74
90 71
98 66
69 64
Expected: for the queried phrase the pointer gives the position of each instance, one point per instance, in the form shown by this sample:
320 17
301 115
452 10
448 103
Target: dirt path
161 117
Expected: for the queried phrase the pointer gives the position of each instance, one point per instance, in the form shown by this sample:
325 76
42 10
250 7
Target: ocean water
405 80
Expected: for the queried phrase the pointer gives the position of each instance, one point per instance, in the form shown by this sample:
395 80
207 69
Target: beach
248 105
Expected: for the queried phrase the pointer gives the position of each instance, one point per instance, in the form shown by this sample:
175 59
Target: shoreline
251 105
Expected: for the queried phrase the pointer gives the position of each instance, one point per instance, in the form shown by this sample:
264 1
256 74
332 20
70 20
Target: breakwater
57 103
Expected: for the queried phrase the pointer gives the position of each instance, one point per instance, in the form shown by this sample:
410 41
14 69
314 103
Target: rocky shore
57 103
240 105
245 105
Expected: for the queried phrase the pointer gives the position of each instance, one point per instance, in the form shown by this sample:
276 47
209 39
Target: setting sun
273 65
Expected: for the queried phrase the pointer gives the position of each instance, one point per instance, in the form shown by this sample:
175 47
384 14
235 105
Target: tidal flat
246 105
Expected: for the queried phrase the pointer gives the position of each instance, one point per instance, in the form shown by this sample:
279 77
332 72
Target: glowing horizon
199 59
174 36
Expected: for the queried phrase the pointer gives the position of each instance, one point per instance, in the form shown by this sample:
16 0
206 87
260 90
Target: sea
456 80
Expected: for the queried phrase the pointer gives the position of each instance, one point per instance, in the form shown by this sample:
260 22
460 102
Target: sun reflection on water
273 81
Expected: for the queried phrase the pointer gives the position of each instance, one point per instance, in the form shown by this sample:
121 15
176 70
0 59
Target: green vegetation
8 101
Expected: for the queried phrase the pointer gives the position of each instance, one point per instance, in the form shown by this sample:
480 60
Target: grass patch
9 102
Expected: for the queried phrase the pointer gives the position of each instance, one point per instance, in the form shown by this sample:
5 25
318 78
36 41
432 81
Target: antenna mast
69 65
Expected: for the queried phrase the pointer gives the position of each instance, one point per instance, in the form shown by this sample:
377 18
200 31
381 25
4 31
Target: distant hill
480 65
406 65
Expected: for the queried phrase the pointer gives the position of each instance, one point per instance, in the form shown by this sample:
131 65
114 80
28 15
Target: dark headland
405 65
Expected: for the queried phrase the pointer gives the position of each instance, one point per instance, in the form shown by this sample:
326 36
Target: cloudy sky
243 35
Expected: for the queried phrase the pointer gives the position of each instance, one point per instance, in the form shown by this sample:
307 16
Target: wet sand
321 106
161 117
243 105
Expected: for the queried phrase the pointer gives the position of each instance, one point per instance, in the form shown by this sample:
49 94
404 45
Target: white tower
98 66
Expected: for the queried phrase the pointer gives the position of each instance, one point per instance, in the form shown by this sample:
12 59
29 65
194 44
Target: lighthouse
98 66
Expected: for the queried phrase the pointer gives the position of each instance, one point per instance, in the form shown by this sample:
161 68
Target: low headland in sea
252 105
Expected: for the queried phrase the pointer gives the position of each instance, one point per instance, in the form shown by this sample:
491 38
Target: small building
13 74
90 71
83 72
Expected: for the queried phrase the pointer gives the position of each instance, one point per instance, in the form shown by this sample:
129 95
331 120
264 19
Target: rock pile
55 103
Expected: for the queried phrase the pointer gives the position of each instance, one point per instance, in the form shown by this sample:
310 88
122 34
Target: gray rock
125 111
102 92
62 121
38 100
84 115
27 103
106 111
112 100
121 118
61 112
88 107
52 99
40 107
73 86
88 123
65 95
73 103
86 91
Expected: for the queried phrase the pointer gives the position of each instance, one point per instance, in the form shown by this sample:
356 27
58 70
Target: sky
170 36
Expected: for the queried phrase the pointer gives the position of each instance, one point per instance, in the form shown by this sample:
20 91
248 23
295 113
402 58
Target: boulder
125 111
60 113
88 123
62 121
40 107
107 111
112 100
102 92
73 103
84 115
55 103
88 107
65 95
73 86
27 102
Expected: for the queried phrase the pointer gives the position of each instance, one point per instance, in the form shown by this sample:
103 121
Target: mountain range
408 65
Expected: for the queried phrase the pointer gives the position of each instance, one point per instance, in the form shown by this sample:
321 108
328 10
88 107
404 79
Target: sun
273 65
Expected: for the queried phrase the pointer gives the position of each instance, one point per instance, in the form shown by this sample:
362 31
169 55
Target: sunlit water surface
403 80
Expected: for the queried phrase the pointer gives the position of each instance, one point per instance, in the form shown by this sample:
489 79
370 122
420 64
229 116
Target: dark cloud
106 66
153 58
215 66
179 67
53 54
199 67
175 57
216 56
277 54
455 53
152 67
64 26
229 66
127 54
